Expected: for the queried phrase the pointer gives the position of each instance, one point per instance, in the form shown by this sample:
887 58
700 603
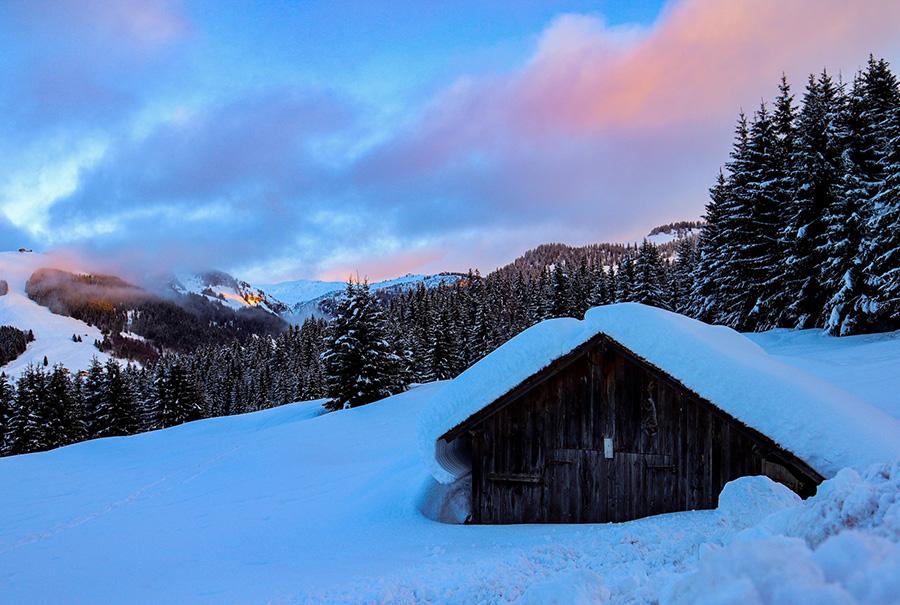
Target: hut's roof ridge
824 425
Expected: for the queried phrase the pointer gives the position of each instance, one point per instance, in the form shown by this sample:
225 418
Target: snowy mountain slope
292 506
321 306
53 333
301 290
671 236
218 286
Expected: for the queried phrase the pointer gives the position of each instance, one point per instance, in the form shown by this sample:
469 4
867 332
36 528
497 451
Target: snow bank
818 421
839 547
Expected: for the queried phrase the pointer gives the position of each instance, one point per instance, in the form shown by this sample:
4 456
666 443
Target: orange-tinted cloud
606 131
701 58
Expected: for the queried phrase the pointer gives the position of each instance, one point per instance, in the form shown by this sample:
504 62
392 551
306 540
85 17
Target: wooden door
575 486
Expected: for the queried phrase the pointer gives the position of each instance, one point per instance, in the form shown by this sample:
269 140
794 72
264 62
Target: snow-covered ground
293 506
53 333
867 365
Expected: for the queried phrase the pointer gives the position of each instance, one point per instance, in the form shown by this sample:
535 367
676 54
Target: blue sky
289 139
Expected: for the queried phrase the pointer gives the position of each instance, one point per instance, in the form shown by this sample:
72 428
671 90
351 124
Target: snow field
292 506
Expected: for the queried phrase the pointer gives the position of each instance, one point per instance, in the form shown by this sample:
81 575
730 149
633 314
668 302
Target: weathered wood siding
540 458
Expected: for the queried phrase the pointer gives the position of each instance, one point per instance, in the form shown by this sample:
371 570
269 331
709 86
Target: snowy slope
666 237
225 289
867 365
301 291
290 506
53 333
320 306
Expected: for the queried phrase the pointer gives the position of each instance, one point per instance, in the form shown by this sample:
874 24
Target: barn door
575 486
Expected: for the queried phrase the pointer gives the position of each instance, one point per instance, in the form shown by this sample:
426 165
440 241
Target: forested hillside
118 308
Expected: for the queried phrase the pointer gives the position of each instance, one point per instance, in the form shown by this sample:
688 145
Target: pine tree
7 402
683 275
559 295
60 398
625 279
600 291
703 300
92 395
880 305
784 125
649 277
117 413
445 359
750 225
580 295
359 362
817 174
27 427
178 400
866 129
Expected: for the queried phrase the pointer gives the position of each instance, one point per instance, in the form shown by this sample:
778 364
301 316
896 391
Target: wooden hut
597 431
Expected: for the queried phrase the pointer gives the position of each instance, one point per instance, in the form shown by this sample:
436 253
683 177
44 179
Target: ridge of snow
818 421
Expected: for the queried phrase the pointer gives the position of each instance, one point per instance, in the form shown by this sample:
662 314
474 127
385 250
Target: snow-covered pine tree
733 210
178 400
7 401
600 289
682 275
880 305
559 293
28 424
751 225
649 277
445 359
117 413
581 289
93 386
784 118
625 279
866 128
817 174
60 400
359 362
703 302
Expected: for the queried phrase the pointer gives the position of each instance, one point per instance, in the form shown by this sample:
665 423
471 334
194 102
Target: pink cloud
606 131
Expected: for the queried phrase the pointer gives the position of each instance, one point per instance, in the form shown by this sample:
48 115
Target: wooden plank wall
540 459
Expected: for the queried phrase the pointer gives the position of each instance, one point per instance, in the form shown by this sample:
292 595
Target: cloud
11 237
604 130
229 183
82 63
599 134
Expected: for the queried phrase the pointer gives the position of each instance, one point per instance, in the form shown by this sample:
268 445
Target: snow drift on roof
822 424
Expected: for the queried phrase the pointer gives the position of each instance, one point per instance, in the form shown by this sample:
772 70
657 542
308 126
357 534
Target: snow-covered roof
822 424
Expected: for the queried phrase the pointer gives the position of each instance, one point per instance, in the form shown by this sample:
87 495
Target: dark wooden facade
539 454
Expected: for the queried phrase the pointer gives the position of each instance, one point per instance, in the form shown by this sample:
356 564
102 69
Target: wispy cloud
598 133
